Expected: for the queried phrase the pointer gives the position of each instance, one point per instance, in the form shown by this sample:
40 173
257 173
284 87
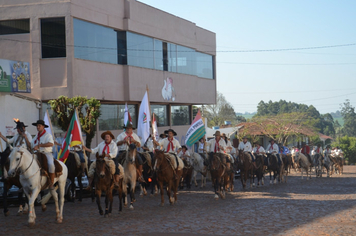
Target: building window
172 57
95 42
158 54
15 26
186 60
204 65
121 48
140 50
180 115
53 37
112 116
161 114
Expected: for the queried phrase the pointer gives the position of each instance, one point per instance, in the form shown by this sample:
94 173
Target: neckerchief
39 136
216 148
170 145
107 148
129 136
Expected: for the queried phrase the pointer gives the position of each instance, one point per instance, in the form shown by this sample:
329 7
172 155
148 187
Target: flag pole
149 106
50 124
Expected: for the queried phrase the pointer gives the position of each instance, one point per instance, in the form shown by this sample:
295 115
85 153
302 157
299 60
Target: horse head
16 160
215 162
131 153
159 156
100 165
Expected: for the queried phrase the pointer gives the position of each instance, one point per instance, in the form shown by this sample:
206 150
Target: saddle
175 162
42 161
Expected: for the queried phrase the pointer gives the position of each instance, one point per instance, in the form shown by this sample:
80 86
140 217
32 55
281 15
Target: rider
228 148
327 151
319 149
21 139
201 146
217 145
273 149
43 142
184 153
306 151
109 149
169 144
259 150
123 141
246 147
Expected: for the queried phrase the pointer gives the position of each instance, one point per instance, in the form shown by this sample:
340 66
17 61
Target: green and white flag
196 131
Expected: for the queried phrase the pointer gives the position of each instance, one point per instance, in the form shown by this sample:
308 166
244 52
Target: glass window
186 60
172 57
95 42
15 26
204 65
53 37
112 116
161 114
121 48
140 50
158 53
180 115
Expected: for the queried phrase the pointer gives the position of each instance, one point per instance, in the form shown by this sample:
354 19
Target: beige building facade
112 50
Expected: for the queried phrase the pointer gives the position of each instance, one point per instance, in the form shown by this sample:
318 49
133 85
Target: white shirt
247 147
123 136
149 145
45 138
112 149
212 142
261 150
228 147
23 142
327 152
180 154
272 149
201 148
164 144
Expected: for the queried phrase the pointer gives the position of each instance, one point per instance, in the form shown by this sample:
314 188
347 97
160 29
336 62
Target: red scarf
257 150
216 148
318 150
271 148
39 136
107 148
170 145
129 136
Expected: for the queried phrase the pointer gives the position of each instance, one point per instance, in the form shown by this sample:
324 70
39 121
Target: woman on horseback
107 148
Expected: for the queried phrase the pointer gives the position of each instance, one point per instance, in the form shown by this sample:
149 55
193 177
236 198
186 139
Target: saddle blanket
172 159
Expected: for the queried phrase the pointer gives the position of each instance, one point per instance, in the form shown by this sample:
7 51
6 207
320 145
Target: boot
228 165
116 180
90 180
139 173
51 177
83 168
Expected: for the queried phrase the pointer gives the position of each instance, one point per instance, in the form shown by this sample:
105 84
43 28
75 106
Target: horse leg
132 195
106 203
120 197
73 190
270 177
169 189
21 203
161 189
80 195
55 198
98 195
31 204
6 210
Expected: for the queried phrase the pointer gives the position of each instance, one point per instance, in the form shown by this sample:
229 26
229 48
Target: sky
311 73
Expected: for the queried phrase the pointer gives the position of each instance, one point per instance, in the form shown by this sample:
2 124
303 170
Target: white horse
328 164
303 163
32 181
129 181
198 165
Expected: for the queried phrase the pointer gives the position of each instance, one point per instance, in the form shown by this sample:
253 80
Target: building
110 50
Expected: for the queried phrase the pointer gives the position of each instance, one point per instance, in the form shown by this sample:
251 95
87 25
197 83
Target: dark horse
275 168
166 174
9 182
246 168
103 183
186 175
218 172
74 172
259 172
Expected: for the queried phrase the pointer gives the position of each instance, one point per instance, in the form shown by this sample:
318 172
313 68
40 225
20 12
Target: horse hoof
44 208
31 224
7 213
101 212
59 221
106 216
216 197
131 207
161 204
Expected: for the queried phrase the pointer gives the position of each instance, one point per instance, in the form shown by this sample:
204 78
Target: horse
328 164
32 181
147 172
103 183
169 169
130 175
199 167
246 168
318 163
303 162
274 167
287 164
259 172
217 172
229 177
9 182
74 171
187 174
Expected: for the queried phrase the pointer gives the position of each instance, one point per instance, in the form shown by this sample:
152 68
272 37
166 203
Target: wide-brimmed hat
272 140
183 146
217 133
255 143
105 133
128 126
19 125
170 130
40 122
162 135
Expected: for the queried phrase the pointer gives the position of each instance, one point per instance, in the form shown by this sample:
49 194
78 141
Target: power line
289 64
305 91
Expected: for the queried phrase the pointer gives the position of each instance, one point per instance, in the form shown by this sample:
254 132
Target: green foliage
349 115
219 112
88 111
348 146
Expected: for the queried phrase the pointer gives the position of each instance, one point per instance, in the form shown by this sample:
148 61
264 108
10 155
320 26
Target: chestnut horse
218 172
246 168
167 174
103 183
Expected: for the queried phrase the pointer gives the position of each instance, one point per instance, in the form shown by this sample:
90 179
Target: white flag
154 127
144 118
127 117
47 121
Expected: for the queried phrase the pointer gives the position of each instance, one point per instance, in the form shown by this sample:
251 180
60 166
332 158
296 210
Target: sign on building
15 76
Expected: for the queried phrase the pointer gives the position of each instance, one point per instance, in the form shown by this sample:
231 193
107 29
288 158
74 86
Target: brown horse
103 183
274 167
229 177
246 168
218 172
167 174
74 172
259 172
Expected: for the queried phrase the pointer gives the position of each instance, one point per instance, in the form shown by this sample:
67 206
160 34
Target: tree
348 146
88 111
349 115
219 112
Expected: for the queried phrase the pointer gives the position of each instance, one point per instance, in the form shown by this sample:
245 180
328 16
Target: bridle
18 165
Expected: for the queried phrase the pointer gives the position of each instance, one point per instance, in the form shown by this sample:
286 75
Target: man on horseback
184 154
21 139
169 144
273 149
123 141
228 148
108 148
306 151
245 146
217 145
43 142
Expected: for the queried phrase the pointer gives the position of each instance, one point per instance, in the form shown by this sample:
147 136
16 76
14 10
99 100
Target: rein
169 164
22 173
